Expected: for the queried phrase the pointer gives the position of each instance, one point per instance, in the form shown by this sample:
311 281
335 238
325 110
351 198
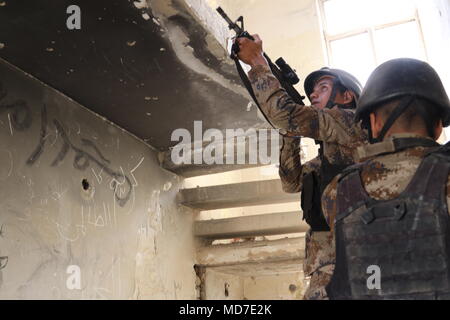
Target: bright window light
402 40
362 34
346 15
353 54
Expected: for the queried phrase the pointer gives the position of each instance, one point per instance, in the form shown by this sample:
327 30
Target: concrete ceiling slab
148 67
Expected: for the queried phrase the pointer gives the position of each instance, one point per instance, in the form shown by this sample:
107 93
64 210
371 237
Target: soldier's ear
438 130
349 96
376 124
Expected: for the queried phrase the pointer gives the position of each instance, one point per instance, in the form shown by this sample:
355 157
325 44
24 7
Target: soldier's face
322 92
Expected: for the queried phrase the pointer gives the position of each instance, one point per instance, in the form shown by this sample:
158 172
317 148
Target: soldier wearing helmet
390 213
329 121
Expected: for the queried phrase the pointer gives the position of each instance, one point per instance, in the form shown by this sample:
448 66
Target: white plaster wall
142 248
290 286
435 21
287 286
216 282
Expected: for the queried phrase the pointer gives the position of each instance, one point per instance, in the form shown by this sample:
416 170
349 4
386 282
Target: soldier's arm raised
328 125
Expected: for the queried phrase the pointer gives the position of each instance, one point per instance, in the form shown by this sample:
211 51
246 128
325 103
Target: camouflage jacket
384 176
291 169
340 136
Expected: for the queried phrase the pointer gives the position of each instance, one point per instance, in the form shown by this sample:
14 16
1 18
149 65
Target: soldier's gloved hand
251 52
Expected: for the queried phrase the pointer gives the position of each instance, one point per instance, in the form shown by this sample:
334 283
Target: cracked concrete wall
289 286
85 210
225 286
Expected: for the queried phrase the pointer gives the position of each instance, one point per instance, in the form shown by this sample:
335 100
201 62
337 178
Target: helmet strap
330 104
403 104
345 106
371 138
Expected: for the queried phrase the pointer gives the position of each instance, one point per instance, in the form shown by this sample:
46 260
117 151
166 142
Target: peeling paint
172 17
185 54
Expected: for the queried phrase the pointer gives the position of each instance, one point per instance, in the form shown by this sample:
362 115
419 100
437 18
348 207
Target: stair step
292 266
255 225
235 195
252 252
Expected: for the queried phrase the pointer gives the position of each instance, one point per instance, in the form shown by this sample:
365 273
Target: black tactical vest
407 238
314 183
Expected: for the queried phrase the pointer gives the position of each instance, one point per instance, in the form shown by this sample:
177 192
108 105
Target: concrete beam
252 252
194 170
246 143
256 225
235 195
262 269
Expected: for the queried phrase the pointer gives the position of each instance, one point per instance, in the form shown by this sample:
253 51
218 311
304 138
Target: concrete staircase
271 256
247 250
235 195
251 226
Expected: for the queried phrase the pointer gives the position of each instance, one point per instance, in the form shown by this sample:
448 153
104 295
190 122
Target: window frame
370 30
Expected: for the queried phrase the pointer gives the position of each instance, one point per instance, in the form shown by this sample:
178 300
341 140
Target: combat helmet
402 78
342 77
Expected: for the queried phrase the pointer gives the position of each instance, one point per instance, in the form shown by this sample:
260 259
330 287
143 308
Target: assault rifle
282 71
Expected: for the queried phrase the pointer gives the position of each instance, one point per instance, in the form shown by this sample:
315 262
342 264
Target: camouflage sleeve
329 203
284 113
290 169
320 259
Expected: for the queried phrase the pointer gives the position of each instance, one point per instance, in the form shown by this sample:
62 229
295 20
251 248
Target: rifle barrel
231 24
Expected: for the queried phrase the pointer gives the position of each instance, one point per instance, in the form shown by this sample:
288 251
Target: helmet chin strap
330 104
404 103
331 101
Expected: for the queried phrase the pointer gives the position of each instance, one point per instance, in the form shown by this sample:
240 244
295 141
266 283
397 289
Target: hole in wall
292 288
227 286
85 184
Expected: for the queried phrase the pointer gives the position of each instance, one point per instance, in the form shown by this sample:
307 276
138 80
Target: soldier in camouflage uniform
330 122
391 211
